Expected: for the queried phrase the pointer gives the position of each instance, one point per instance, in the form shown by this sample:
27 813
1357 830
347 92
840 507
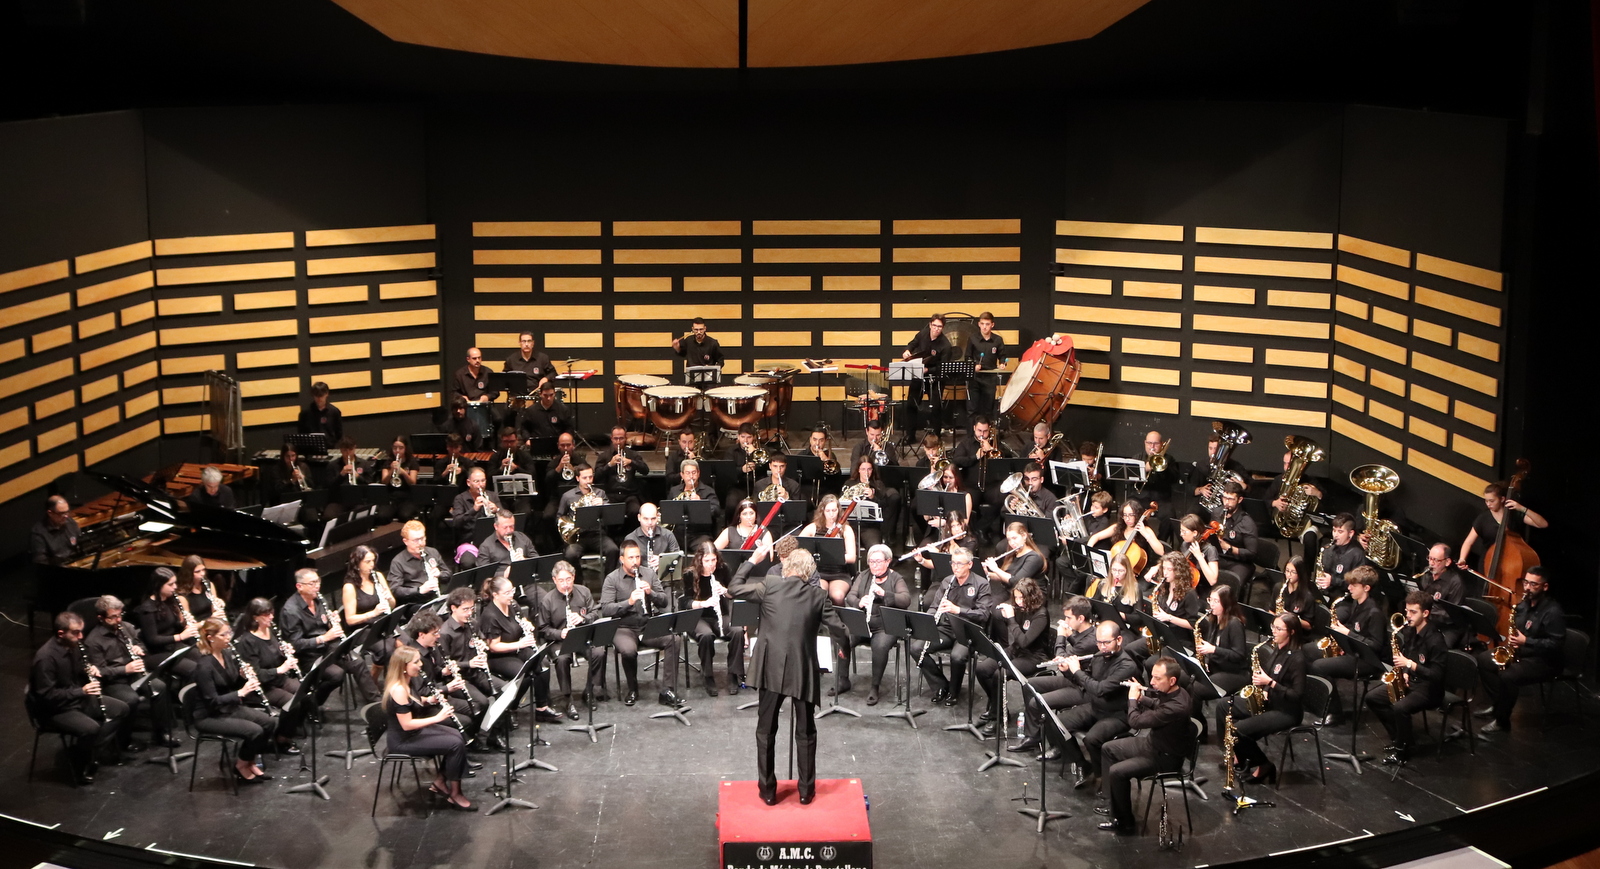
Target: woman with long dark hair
162 624
828 521
706 572
1282 678
1028 641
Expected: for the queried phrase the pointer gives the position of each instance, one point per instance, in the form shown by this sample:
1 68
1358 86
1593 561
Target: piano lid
168 509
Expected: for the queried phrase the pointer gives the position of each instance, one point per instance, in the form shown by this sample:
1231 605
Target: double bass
1508 558
1130 547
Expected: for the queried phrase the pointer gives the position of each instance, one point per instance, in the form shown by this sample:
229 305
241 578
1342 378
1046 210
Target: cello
1508 558
1129 545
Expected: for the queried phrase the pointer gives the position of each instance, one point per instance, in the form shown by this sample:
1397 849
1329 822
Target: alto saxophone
1253 695
1329 646
1395 679
1199 638
1277 608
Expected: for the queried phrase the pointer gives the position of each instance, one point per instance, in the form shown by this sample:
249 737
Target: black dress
442 740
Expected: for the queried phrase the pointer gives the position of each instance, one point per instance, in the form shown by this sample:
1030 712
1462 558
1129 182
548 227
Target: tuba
1298 504
1253 695
1230 435
1375 480
1018 501
1395 680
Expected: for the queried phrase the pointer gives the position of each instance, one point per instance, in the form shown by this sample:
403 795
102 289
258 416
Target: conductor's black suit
785 665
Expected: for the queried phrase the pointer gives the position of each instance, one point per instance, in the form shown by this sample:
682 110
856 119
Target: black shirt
1545 626
327 420
158 623
550 617
223 499
264 655
407 573
537 368
1232 654
987 353
50 544
492 550
546 423
1102 680
1165 720
56 679
474 387
706 352
1239 530
109 654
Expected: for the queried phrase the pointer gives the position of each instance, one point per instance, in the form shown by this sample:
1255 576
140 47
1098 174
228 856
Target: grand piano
138 526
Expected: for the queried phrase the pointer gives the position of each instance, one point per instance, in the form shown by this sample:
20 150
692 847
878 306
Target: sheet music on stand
1125 470
702 375
906 371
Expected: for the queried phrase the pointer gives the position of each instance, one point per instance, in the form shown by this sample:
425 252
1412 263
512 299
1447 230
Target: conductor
785 664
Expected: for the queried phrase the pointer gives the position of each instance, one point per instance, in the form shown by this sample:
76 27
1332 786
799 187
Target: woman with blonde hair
414 733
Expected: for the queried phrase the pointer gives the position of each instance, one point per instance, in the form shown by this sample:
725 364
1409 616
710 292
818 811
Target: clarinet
134 654
89 671
453 667
937 620
217 608
433 691
288 651
249 672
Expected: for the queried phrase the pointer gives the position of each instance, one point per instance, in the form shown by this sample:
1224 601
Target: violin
1206 533
1129 545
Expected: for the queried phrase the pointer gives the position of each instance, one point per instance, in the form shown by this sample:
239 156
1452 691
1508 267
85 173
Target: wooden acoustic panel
667 33
56 437
833 32
260 416
851 283
957 227
225 274
32 277
38 478
816 227
1171 262
115 256
1138 231
346 265
115 351
224 243
675 227
815 255
15 453
1373 250
1263 237
50 339
369 235
47 306
377 320
103 292
178 365
537 228
264 300
511 257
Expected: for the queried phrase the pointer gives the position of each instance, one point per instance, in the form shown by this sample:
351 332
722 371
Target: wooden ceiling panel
679 33
830 32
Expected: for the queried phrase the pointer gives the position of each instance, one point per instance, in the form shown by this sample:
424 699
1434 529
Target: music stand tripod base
675 712
314 786
534 762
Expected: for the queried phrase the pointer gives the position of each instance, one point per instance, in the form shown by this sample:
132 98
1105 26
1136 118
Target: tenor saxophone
1253 695
1395 679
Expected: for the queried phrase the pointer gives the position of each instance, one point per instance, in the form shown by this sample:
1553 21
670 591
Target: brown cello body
1507 559
1130 547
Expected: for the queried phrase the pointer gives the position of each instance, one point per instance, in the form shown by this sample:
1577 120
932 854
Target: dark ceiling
74 56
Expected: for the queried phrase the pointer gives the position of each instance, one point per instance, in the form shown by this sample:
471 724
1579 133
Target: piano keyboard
364 453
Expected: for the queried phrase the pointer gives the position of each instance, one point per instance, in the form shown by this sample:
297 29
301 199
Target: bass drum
1043 383
630 396
672 408
736 405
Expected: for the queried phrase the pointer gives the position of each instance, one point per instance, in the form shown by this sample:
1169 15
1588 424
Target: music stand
735 557
745 614
820 367
659 626
908 625
509 486
161 669
1121 470
306 698
997 757
971 635
1367 661
1043 814
598 516
472 579
1043 529
940 504
1107 612
702 375
499 716
573 377
582 639
1259 619
829 551
1163 632
357 639
527 571
313 445
855 622
533 732
686 514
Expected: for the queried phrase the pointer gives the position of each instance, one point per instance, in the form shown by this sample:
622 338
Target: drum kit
761 398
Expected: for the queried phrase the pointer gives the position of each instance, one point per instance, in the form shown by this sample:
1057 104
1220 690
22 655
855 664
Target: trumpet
299 478
622 469
350 472
567 473
452 470
395 479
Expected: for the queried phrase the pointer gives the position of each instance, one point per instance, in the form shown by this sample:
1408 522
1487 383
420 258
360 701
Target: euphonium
1395 680
1230 435
1298 504
1329 646
1253 695
1069 520
1018 502
1375 480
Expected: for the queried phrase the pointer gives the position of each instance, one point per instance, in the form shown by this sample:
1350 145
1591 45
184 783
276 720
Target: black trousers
882 644
1058 692
94 731
158 707
930 665
627 645
1336 667
596 659
595 543
1251 728
1504 685
507 666
253 728
442 740
805 741
989 676
1096 732
1122 761
934 390
705 638
1396 717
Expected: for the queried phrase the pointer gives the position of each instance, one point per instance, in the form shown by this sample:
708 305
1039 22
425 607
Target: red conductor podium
831 833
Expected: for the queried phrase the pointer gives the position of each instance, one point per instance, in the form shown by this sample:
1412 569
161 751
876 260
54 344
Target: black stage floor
646 795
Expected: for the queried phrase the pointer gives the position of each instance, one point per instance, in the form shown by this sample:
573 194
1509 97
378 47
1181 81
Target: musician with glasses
697 348
932 347
700 592
1200 474
1442 582
1282 676
883 586
1537 649
508 544
1158 485
476 501
511 639
1074 636
531 362
53 540
1238 540
1419 662
566 606
313 630
114 648
1101 713
959 595
593 541
690 488
418 572
620 472
1161 715
64 692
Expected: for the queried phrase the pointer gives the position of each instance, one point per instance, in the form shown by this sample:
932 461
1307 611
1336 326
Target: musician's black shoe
546 716
134 746
1485 712
734 684
1081 780
769 797
631 698
987 730
807 795
952 698
872 696
1103 810
1026 744
495 743
572 712
85 776
167 741
988 715
472 764
1052 753
1117 827
1396 757
289 748
669 698
711 687
939 695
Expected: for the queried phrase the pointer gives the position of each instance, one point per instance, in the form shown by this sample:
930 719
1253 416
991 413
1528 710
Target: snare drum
1043 383
672 408
630 395
736 405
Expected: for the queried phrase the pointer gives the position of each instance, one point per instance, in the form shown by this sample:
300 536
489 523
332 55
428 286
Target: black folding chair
1315 701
